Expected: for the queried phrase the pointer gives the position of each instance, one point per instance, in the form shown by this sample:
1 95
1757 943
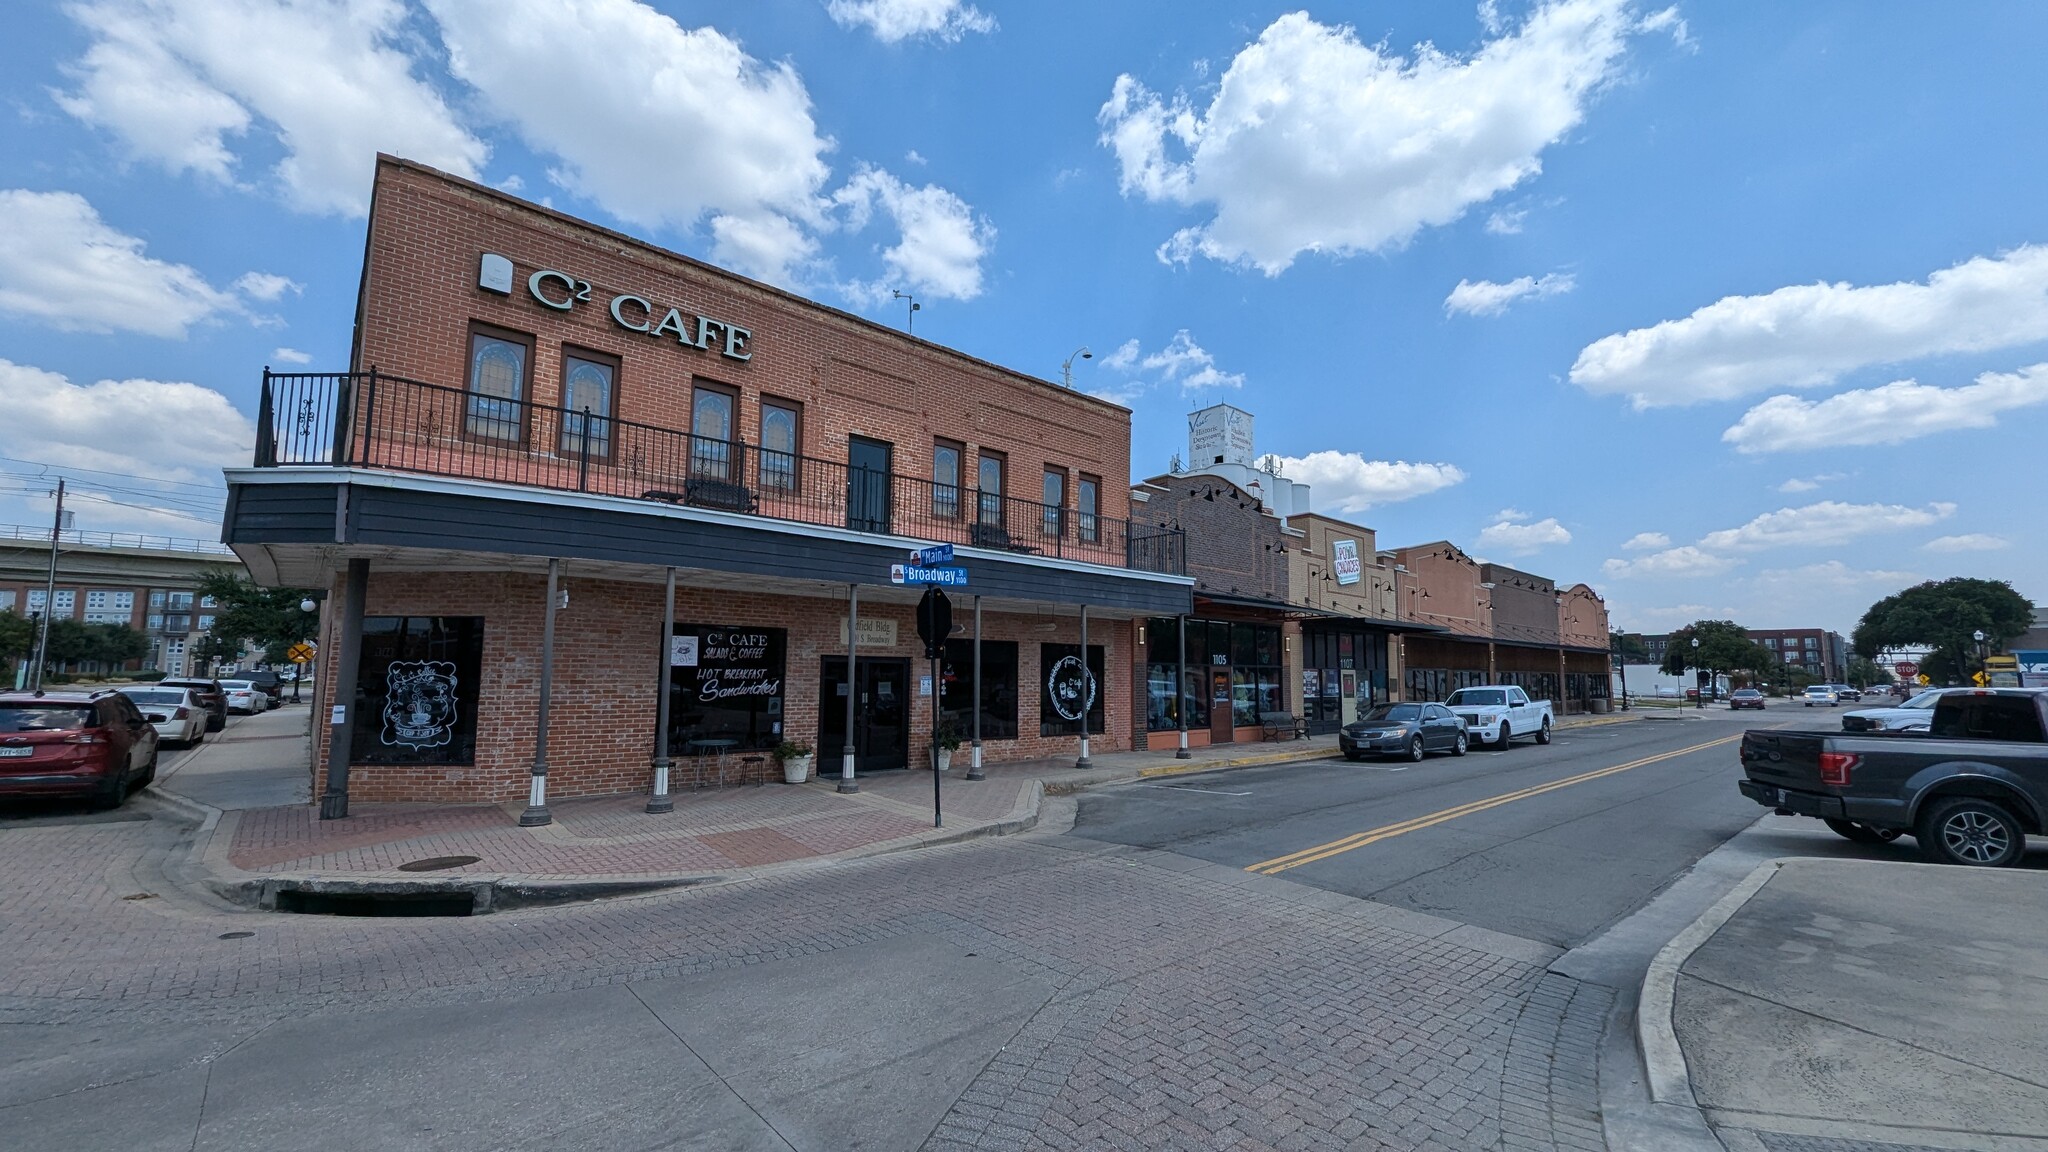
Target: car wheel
111 793
1861 833
1543 733
1415 750
1970 830
1354 757
1458 748
215 723
1505 734
148 773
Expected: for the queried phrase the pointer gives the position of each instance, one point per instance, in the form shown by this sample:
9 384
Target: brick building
534 401
1817 652
148 583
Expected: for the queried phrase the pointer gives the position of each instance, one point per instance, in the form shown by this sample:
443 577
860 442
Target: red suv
91 744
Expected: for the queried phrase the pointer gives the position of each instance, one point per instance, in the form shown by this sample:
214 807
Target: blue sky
1735 310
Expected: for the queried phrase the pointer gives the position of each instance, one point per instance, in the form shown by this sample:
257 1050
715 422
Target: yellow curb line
1241 762
1337 847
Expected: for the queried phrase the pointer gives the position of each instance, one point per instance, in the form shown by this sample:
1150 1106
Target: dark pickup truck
1968 790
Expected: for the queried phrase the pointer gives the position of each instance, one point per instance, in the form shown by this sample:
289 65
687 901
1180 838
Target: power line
123 475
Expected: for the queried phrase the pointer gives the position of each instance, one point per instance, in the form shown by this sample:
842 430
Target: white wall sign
682 651
1219 433
874 633
1344 557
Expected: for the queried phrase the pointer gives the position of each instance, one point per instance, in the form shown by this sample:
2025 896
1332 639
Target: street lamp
1696 670
1978 636
308 606
1067 366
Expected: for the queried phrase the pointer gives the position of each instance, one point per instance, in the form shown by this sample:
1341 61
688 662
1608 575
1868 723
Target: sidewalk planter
945 759
796 769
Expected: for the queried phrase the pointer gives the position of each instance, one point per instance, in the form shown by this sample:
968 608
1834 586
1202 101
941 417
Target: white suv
1819 694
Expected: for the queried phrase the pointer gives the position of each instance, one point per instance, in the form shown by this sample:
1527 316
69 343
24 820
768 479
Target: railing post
344 396
583 454
369 417
266 433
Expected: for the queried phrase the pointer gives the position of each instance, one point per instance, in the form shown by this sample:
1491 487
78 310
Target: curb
1656 1035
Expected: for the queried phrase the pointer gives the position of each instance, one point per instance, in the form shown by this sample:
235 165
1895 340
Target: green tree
17 640
1629 646
1943 614
268 618
1724 647
1863 672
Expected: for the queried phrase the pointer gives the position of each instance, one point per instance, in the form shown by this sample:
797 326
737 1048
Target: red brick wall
601 730
427 231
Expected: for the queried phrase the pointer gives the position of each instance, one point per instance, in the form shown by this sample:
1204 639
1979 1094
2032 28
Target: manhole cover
236 935
437 863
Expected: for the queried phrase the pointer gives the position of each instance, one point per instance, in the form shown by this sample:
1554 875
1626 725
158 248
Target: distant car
94 745
1913 715
1746 698
210 695
1819 694
266 679
1847 692
245 697
176 713
1410 730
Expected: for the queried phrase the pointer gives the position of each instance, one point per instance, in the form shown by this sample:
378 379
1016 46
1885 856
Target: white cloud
1809 335
184 431
1318 142
1351 483
1506 221
186 83
895 20
1645 541
1523 539
266 286
61 263
942 244
1181 362
1892 414
1827 523
915 157
1969 542
1831 574
1684 560
658 124
1810 483
1486 298
1124 358
291 356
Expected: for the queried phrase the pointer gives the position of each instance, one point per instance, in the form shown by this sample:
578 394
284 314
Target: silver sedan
175 713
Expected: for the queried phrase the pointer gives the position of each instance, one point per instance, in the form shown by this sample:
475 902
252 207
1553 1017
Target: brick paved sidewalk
715 832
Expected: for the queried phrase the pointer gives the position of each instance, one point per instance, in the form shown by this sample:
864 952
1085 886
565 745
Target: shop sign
942 577
1345 554
873 633
736 663
563 293
1068 697
1070 688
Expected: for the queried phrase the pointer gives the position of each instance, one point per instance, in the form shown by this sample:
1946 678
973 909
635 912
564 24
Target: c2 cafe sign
563 292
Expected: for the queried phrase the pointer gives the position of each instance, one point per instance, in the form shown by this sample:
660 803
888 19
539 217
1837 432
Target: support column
1180 691
1087 682
661 801
341 725
846 780
974 771
537 812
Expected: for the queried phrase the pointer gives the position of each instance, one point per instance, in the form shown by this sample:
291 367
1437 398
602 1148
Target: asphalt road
1547 843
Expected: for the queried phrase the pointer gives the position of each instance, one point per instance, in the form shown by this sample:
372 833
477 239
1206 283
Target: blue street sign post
916 574
931 557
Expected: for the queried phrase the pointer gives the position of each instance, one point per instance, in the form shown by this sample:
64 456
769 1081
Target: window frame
953 487
795 454
982 458
1053 520
610 418
470 395
735 462
1088 521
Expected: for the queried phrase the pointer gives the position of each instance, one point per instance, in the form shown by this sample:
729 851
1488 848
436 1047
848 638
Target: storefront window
998 689
726 688
1065 694
416 690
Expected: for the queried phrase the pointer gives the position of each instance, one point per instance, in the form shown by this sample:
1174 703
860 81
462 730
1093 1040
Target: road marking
1192 788
1337 847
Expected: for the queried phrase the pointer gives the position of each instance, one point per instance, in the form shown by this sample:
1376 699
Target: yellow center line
1337 847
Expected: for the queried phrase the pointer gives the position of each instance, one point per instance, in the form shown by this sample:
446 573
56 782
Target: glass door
867 485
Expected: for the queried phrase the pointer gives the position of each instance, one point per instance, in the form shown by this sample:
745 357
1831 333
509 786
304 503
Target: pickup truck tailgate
1784 759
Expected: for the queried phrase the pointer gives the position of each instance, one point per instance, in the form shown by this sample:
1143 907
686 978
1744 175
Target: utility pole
49 595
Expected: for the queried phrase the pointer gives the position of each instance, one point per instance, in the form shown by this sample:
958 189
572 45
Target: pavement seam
1656 1034
722 1081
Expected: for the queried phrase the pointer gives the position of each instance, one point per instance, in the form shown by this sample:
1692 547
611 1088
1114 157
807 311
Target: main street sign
936 554
917 574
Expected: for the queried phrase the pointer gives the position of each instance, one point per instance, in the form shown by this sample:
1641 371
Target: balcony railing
375 420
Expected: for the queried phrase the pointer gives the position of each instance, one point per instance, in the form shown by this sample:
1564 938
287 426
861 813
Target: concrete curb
1656 1035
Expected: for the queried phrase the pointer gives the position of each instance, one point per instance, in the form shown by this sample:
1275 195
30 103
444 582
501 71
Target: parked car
1746 698
88 744
245 697
1411 730
210 695
1969 790
176 713
1498 713
1847 692
1819 694
266 679
1912 715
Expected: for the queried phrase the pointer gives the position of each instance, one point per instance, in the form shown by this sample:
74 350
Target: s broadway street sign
914 574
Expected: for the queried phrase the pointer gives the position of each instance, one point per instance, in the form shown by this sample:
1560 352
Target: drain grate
437 863
377 903
236 935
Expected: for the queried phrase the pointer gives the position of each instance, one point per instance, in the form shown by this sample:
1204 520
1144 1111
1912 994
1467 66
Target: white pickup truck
1497 714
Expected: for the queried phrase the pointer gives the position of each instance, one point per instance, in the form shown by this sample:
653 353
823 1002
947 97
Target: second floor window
1055 502
497 386
587 387
990 481
781 426
946 480
1087 502
711 427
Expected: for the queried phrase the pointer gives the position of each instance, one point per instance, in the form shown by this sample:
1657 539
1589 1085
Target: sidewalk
1895 1004
256 844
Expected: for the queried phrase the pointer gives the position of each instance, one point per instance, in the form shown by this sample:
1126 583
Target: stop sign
1906 669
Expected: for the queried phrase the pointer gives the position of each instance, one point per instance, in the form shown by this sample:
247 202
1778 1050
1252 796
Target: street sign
917 574
934 622
1979 679
1906 669
936 554
301 653
1924 681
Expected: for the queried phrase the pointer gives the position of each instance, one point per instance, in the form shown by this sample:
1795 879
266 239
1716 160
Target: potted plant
796 761
949 742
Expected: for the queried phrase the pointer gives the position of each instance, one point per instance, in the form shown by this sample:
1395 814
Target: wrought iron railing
376 420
